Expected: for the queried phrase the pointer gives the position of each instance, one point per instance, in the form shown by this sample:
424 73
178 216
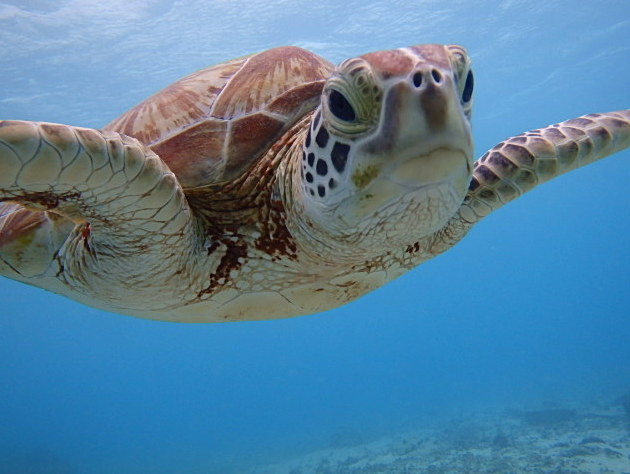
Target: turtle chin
422 192
435 166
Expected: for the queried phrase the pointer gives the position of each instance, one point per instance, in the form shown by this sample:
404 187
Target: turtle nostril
417 79
437 77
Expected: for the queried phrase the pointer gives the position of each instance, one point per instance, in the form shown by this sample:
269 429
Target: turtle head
391 142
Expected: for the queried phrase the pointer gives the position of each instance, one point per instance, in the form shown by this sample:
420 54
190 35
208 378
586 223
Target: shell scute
266 76
211 126
248 135
305 96
196 156
178 105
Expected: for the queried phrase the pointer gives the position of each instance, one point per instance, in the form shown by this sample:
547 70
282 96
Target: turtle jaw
443 168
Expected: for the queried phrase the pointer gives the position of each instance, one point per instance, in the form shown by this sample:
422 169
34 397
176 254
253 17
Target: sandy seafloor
554 439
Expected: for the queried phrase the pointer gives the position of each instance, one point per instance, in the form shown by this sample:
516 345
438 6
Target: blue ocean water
532 308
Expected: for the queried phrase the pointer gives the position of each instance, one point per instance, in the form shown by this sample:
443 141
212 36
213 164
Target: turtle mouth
441 164
439 176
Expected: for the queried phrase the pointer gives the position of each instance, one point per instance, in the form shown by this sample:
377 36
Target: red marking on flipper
85 234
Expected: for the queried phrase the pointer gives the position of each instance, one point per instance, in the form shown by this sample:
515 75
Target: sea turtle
269 186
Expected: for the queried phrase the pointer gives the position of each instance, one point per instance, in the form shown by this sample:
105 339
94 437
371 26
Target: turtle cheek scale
324 163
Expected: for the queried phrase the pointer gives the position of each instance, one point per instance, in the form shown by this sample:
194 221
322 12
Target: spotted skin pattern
323 160
269 186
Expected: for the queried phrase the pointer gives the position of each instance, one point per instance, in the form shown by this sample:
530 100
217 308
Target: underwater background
531 309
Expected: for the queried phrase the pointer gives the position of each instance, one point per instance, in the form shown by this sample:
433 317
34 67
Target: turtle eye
468 87
340 107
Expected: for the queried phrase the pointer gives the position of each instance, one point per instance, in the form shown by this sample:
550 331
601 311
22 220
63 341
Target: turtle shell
210 126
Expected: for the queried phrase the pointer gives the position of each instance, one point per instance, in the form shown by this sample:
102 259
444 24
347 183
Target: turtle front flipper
521 163
96 216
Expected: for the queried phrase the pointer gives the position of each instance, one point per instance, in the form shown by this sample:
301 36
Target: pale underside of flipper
92 215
